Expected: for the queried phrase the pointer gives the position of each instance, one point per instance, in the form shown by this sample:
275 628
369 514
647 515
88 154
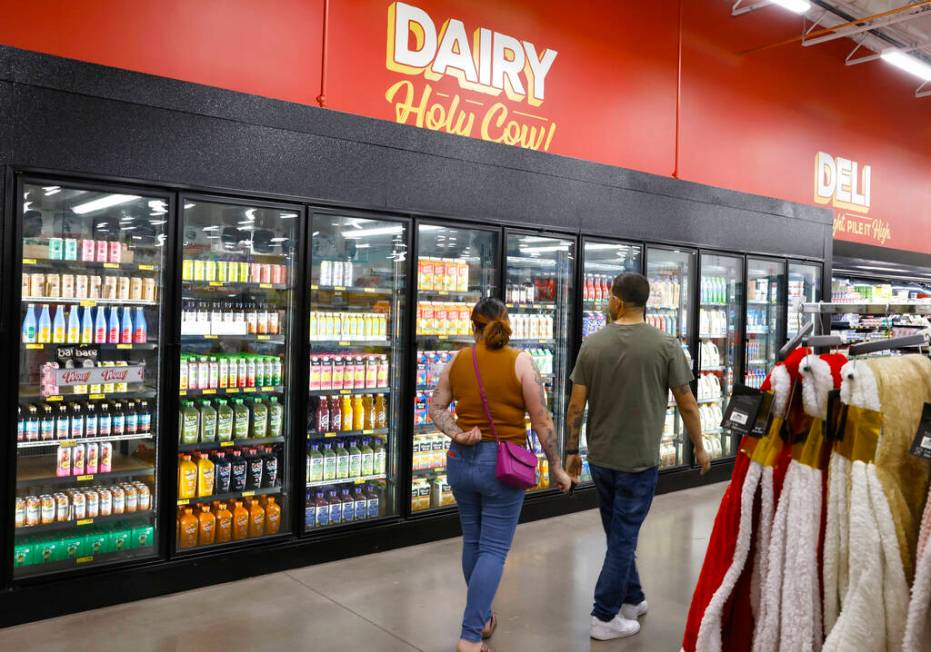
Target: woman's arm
540 418
441 416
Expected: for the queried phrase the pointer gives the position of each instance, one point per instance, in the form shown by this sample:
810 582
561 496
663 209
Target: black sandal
489 630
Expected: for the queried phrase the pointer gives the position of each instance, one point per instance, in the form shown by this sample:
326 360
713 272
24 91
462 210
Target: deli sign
493 71
846 185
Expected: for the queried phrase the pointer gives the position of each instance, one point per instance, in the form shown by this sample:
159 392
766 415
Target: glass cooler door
540 273
237 318
455 268
721 291
765 306
93 269
804 287
357 321
671 273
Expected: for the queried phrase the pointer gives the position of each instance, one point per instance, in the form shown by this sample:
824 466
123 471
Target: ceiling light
189 205
382 230
288 216
103 202
364 245
51 190
908 63
539 250
798 6
598 246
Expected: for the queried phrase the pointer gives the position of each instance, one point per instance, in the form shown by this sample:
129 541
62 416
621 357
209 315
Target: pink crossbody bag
517 466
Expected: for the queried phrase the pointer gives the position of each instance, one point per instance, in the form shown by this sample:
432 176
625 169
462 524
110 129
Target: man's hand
468 438
574 466
703 459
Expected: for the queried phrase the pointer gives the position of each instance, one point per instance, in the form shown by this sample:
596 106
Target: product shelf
714 304
427 295
430 469
352 289
148 346
57 398
219 445
757 363
117 556
383 344
347 433
758 330
713 369
536 305
336 481
348 392
426 429
262 491
87 303
273 339
444 338
35 471
71 265
233 391
224 285
89 440
663 307
59 526
713 336
532 340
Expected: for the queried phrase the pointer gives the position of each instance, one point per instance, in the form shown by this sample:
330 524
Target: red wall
752 122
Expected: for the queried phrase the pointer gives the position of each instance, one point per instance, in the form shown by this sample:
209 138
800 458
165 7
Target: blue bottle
126 327
113 333
140 328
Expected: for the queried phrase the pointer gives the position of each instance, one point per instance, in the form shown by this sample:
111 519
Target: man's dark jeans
624 499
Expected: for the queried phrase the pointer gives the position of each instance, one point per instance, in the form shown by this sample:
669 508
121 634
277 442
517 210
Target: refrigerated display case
358 285
671 273
236 327
93 264
765 307
721 293
539 280
602 262
455 268
804 287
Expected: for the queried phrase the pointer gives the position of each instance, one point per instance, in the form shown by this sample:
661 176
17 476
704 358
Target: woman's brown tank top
504 392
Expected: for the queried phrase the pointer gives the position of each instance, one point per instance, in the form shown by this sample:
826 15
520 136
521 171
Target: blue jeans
624 500
488 511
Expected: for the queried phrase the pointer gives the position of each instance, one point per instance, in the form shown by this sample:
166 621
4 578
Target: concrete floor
412 599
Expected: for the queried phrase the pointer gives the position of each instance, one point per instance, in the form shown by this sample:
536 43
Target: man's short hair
631 288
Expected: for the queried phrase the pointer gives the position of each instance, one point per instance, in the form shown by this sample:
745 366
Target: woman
489 509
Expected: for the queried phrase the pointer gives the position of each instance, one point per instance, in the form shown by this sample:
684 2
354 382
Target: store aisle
411 599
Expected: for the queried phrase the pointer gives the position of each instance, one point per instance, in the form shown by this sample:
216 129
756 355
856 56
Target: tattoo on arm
442 418
575 425
546 433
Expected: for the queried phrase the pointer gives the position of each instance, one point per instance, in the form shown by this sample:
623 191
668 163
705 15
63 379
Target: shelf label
183 392
246 494
111 265
249 389
215 284
359 481
345 343
183 502
339 288
344 392
97 396
88 303
210 337
329 434
35 346
314 287
368 432
443 337
124 346
53 399
67 443
208 391
94 375
263 338
265 286
147 268
268 389
84 478
84 560
369 290
85 521
224 444
232 390
543 341
443 293
29 261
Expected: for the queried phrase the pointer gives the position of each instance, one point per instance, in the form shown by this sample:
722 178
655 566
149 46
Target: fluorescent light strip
797 6
908 63
382 230
103 202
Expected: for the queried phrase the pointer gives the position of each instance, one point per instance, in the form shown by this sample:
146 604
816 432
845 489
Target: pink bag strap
481 391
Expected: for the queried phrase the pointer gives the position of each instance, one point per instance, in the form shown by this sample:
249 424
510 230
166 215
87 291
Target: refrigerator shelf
149 346
110 557
474 295
352 289
347 433
758 331
34 471
65 443
533 340
57 398
537 305
145 515
70 265
711 399
758 362
663 307
713 336
714 304
713 369
88 303
349 392
336 481
233 391
431 469
223 285
759 303
426 428
262 491
385 344
273 339
220 445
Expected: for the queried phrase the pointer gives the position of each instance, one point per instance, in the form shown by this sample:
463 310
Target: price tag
224 444
921 447
246 494
443 293
88 303
339 288
97 397
739 417
443 337
368 432
215 284
344 343
314 287
268 389
265 286
263 338
84 478
344 392
54 399
83 560
183 502
210 337
147 268
68 443
111 265
232 390
359 481
543 341
85 521
329 434
124 346
249 389
183 392
35 346
369 290
209 391
29 261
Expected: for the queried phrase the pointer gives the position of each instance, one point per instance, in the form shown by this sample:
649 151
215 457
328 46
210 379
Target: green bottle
368 457
259 419
329 462
314 464
224 421
240 420
190 423
208 422
379 463
275 416
355 459
342 461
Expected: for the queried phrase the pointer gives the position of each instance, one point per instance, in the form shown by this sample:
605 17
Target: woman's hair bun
497 333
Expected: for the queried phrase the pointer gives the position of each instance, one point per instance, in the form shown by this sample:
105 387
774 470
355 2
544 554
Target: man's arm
574 415
441 416
688 408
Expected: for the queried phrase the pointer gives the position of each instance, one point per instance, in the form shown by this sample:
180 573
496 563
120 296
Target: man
625 373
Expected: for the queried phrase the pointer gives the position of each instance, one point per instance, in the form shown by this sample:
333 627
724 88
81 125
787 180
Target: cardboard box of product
95 543
23 554
143 536
119 540
47 550
72 546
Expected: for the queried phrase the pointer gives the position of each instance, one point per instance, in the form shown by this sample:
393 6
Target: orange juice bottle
205 473
358 413
345 413
207 526
240 521
189 525
368 408
272 516
187 478
224 523
256 519
381 411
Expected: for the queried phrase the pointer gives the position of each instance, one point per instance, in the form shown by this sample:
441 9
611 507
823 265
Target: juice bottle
270 467
348 506
342 461
74 326
224 421
188 526
368 408
378 462
358 413
224 527
336 420
355 459
335 506
187 478
381 412
374 501
190 423
259 418
256 519
321 510
44 332
208 422
240 420
329 462
275 416
360 504
272 516
29 325
221 472
322 419
240 521
207 530
345 413
59 330
255 467
237 472
367 457
205 476
314 464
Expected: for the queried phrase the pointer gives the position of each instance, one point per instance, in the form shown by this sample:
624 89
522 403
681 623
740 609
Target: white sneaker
617 628
634 611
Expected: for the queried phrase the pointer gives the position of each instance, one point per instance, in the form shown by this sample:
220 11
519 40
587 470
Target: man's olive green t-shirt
628 370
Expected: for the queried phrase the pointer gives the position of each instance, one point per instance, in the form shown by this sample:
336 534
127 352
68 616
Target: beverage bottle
374 501
208 422
358 413
335 506
140 328
32 423
221 472
100 326
73 335
240 420
117 420
113 327
187 478
275 417
126 327
256 519
224 421
62 423
47 423
144 416
255 467
321 510
224 526
355 459
270 467
238 472
329 462
368 409
322 415
345 413
205 476
379 460
29 331
86 327
90 420
348 506
187 529
190 423
342 461
259 418
381 412
44 334
58 326
272 516
207 523
367 457
132 418
104 420
360 504
240 521
314 464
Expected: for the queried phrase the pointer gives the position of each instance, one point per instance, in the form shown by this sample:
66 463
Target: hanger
889 344
792 344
